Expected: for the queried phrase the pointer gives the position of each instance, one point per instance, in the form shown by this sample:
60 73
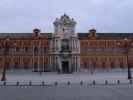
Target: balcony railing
65 49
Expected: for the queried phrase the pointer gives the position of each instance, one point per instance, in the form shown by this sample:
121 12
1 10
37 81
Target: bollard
4 83
81 82
94 82
106 82
17 83
68 83
131 82
43 83
118 81
56 83
30 83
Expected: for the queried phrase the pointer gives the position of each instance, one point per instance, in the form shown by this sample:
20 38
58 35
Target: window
17 49
26 49
65 45
0 47
103 65
45 49
112 65
35 49
63 29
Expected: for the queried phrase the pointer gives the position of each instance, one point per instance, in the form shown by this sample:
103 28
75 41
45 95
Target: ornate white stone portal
65 46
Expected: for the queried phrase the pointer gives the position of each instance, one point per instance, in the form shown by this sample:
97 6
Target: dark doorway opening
65 66
35 67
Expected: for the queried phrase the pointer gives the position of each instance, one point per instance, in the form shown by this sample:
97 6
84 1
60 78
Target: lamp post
127 45
6 49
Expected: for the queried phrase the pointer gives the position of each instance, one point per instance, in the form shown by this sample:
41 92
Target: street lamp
6 49
127 45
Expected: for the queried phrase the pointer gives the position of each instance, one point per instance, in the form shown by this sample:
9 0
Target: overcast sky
104 15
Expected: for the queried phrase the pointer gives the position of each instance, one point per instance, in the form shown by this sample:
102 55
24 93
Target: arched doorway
65 66
35 67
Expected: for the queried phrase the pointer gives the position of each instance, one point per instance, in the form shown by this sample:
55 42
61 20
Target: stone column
72 45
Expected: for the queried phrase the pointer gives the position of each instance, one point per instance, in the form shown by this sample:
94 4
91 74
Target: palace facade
65 50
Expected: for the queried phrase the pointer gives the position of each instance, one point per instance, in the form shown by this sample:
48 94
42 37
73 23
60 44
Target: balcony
65 49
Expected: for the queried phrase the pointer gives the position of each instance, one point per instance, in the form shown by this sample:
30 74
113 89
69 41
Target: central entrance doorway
65 66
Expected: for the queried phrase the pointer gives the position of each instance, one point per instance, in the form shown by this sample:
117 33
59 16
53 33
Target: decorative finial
36 31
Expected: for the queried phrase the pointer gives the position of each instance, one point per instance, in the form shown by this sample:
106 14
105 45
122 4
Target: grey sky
104 15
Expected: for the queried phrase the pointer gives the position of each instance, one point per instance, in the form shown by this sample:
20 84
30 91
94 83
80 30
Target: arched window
0 63
35 49
112 65
65 45
26 49
0 47
17 49
103 65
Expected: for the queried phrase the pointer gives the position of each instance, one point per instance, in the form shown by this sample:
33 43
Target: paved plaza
63 78
65 92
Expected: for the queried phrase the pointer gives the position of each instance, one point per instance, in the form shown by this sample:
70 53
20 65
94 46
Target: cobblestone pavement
67 92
